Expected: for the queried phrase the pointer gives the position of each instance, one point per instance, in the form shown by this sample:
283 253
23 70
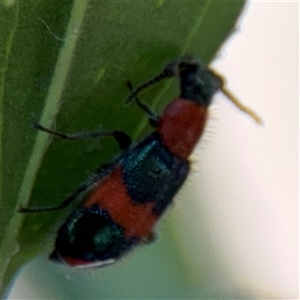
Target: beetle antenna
241 106
169 71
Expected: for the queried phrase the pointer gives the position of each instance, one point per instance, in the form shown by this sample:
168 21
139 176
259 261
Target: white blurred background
250 174
243 213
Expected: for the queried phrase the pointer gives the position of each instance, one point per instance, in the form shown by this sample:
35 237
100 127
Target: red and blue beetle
126 197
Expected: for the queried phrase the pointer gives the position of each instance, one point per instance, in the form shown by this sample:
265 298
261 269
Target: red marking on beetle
111 195
74 261
180 133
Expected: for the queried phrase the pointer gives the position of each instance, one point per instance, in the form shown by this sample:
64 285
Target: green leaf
64 64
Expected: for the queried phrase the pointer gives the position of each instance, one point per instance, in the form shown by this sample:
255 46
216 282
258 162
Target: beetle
126 197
